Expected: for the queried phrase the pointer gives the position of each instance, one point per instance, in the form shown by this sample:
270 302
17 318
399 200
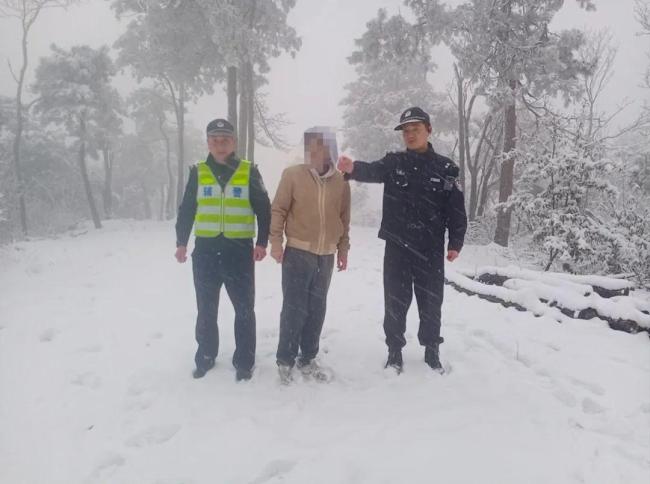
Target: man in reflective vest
222 198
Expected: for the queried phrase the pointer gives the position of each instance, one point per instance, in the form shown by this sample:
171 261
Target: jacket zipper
321 209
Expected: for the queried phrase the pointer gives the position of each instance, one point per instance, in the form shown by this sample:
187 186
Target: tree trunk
461 127
169 210
502 233
473 196
107 194
84 173
250 106
485 187
20 187
243 112
232 95
488 168
146 203
180 121
473 168
163 202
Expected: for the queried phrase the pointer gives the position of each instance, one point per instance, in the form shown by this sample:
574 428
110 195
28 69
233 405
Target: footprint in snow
566 397
105 468
591 406
275 468
48 335
506 350
141 404
142 390
87 379
153 435
591 387
91 349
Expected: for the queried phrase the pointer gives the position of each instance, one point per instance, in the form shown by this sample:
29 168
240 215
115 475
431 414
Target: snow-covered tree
137 176
74 91
151 109
642 11
392 60
171 43
508 48
56 198
580 185
5 169
557 175
250 33
104 140
27 13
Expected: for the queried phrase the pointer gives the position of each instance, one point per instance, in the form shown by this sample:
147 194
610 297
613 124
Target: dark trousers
305 281
404 272
233 267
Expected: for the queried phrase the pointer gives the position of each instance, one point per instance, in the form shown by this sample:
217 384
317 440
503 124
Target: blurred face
316 152
416 136
221 146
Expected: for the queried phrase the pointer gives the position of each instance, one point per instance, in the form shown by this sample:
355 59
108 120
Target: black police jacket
421 199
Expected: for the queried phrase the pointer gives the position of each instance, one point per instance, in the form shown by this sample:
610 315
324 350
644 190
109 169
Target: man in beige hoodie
312 207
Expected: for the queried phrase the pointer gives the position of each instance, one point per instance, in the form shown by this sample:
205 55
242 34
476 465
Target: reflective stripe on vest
228 211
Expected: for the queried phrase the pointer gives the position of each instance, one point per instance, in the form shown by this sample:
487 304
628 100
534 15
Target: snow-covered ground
96 353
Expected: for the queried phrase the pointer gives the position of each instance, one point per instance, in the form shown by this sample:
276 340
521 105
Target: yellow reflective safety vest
228 211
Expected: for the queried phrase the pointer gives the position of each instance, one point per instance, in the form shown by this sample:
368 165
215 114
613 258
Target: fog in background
309 87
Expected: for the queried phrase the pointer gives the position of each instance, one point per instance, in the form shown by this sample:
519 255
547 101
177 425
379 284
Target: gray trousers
305 281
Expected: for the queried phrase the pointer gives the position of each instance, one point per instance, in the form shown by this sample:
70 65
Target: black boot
242 374
395 360
432 358
205 365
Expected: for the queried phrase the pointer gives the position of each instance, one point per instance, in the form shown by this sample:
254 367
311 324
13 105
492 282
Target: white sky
309 87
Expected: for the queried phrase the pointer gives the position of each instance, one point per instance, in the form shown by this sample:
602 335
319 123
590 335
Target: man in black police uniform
421 200
223 250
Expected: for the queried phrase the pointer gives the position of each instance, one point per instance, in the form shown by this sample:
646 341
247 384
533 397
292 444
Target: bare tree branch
11 71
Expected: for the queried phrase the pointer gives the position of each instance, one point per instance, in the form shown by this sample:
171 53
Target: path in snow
96 353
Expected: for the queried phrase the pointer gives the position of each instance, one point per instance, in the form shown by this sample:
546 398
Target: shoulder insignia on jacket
452 169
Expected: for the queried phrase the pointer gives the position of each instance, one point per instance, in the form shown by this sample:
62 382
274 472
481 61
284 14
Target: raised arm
367 172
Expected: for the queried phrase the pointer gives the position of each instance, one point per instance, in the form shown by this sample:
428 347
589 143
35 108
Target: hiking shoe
432 358
284 371
395 360
243 375
305 366
312 369
206 365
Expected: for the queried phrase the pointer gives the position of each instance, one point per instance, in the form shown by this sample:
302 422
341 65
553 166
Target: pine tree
392 61
171 43
508 48
74 92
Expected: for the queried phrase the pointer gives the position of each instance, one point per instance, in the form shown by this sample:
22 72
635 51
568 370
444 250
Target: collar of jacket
328 174
429 151
232 161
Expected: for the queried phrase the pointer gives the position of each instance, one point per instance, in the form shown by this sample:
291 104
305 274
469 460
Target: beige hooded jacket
312 210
